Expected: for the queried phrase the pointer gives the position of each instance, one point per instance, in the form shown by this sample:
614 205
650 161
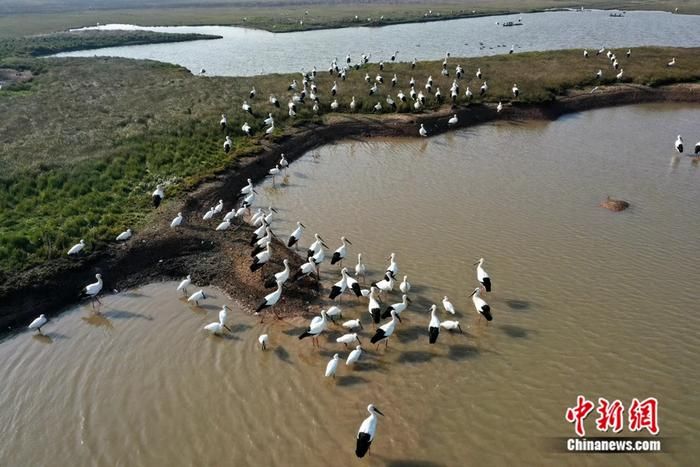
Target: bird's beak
255 192
360 323
378 411
409 300
471 294
348 241
358 340
321 238
227 328
476 263
324 244
273 209
399 317
302 225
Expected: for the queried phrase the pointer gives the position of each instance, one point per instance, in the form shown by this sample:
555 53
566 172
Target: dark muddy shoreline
222 258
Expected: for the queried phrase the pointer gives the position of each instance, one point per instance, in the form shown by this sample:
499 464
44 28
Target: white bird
209 214
629 52
585 54
386 284
252 93
283 163
393 268
449 307
478 73
353 104
77 248
279 278
334 89
367 431
158 196
385 331
450 325
468 93
401 96
274 171
352 324
378 107
405 286
619 75
332 366
319 256
341 252
249 199
453 120
38 323
360 268
228 144
679 144
373 306
316 327
92 290
270 299
305 270
231 215
483 276
248 188
224 225
348 339
177 221
263 339
315 246
216 328
124 236
516 90
354 356
499 107
197 296
271 129
397 307
184 284
434 326
261 259
246 128
422 131
269 120
480 305
296 235
219 206
246 107
223 122
484 88
334 312
274 101
599 74
223 315
672 62
697 148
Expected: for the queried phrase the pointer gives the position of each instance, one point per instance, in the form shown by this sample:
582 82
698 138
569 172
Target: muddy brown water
585 301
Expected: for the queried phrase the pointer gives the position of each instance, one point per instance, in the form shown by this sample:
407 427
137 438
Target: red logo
641 415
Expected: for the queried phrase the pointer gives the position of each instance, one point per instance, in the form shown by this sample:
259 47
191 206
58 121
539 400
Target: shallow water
585 301
247 52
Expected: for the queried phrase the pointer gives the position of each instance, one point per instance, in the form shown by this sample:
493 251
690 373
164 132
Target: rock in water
615 205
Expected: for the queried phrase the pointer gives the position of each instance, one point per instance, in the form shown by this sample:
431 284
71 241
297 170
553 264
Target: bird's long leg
386 344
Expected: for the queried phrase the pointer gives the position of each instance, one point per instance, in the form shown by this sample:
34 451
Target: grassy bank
47 44
84 143
44 16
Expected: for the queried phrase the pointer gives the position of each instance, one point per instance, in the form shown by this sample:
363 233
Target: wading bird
274 171
453 120
405 286
354 356
263 339
482 276
227 144
360 268
352 324
341 252
393 268
516 90
448 306
246 129
385 331
348 339
176 221
672 62
367 431
480 305
334 312
197 296
679 144
184 284
261 259
77 248
332 366
158 196
270 300
296 235
223 122
422 131
373 306
38 323
451 325
124 236
279 278
317 326
433 326
93 290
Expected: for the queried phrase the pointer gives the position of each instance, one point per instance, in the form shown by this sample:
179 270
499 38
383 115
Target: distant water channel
247 52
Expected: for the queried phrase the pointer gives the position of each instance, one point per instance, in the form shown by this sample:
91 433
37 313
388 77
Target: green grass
83 144
42 16
48 44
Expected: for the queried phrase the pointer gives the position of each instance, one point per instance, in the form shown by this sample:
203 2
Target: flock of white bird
262 237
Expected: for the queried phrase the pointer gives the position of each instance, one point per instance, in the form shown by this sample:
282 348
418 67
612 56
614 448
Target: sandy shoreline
222 258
